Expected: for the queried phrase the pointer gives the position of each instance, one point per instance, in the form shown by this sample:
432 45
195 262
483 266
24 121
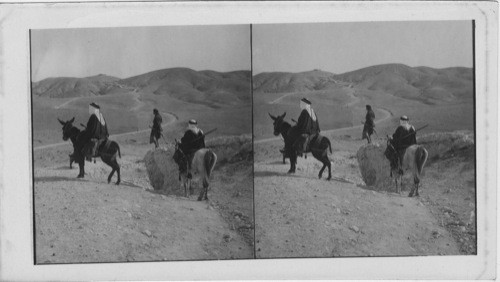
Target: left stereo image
142 144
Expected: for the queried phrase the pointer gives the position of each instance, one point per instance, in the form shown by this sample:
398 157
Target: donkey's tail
421 155
209 159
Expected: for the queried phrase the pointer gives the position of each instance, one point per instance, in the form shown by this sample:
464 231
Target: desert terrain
89 220
301 216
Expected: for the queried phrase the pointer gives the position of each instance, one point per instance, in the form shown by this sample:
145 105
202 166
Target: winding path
171 120
386 116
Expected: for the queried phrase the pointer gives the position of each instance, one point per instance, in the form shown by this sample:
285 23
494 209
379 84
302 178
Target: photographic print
142 147
364 139
216 140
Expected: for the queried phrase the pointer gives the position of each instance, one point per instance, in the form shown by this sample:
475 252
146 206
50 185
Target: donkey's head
278 123
67 128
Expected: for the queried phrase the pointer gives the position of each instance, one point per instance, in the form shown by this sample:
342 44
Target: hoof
329 178
291 171
79 176
199 199
117 183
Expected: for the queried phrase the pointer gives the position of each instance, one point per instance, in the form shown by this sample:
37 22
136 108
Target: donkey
318 148
414 159
202 164
107 151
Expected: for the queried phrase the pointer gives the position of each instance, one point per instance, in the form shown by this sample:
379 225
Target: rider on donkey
192 141
96 129
404 137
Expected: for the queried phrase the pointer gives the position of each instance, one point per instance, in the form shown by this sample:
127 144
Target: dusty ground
302 216
91 221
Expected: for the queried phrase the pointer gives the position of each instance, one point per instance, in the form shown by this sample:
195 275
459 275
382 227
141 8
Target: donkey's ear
273 117
72 120
61 122
284 114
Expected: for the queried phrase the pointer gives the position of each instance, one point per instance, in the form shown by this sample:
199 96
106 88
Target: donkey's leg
203 192
108 162
412 191
293 162
329 165
186 187
416 180
117 168
320 174
81 165
190 186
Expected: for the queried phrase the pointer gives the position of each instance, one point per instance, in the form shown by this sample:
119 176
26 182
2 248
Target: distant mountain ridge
282 82
420 83
209 87
61 87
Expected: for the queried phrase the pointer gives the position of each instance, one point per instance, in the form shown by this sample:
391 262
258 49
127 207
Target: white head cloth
307 107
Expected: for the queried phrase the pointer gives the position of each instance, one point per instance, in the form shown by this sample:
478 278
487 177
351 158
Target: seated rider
307 126
192 141
96 129
404 137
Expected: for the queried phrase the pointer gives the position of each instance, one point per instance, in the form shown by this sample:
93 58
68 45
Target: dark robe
304 131
404 138
156 129
95 129
192 142
306 125
369 123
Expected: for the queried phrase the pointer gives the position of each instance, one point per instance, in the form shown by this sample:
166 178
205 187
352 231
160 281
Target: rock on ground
374 166
162 171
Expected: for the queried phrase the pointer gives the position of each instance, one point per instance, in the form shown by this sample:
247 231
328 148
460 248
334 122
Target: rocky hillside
283 82
196 86
421 83
428 85
206 87
64 87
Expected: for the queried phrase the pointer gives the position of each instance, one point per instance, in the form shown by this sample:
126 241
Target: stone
163 172
374 166
354 228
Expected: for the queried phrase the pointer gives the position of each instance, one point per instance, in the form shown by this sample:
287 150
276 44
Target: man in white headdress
96 129
307 125
192 141
404 137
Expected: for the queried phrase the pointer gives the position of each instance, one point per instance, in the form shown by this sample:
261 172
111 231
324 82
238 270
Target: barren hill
209 87
282 82
432 86
424 84
206 87
64 87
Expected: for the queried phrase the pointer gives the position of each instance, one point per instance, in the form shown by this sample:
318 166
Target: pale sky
125 52
344 47
333 47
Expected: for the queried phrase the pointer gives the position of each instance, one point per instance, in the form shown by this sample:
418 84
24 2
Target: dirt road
88 220
302 216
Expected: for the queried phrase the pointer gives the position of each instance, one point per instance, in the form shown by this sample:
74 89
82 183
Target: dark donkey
107 151
318 148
